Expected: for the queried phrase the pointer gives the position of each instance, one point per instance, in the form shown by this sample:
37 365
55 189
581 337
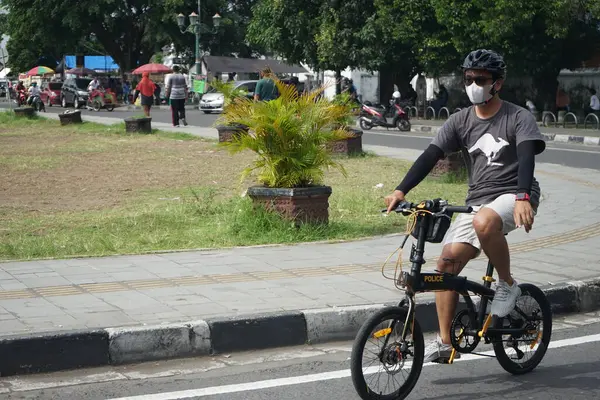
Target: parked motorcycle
370 117
99 99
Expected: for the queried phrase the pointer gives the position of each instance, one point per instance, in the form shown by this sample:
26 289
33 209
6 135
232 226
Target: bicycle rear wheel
519 354
378 349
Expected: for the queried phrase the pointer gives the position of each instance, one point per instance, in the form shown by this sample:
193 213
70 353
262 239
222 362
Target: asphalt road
577 156
570 370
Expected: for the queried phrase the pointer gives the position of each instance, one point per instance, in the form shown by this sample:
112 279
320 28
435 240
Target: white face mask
478 94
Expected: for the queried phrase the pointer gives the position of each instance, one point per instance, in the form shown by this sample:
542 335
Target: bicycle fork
409 320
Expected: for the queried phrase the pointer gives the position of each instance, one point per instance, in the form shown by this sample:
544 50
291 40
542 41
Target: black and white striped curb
47 352
586 140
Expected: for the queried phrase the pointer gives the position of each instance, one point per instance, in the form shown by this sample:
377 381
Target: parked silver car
212 101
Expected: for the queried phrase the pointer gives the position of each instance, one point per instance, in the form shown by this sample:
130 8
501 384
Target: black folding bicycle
396 334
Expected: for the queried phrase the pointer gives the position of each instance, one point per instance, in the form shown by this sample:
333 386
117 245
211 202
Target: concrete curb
48 352
550 137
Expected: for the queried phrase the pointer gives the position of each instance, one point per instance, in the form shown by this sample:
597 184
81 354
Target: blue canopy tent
97 63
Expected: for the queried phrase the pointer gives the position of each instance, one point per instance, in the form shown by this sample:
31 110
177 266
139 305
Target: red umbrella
81 71
152 69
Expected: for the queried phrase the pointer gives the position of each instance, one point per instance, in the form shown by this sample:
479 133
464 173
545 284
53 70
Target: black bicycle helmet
487 60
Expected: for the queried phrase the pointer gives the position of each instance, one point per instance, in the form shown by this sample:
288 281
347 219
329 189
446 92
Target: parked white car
212 101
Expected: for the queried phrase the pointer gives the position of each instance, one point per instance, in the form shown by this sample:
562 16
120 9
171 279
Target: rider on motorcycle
396 96
33 91
94 85
20 86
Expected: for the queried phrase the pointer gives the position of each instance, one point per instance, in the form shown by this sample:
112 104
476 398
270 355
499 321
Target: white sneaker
505 298
438 351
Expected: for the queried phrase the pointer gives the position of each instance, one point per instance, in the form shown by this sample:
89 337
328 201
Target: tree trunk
386 84
389 76
338 81
546 83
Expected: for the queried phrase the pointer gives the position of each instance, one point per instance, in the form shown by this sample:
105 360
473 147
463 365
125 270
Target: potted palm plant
289 136
353 143
228 130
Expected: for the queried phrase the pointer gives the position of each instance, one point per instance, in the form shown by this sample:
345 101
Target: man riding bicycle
498 141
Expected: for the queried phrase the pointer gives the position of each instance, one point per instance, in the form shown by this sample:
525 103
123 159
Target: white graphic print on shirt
490 147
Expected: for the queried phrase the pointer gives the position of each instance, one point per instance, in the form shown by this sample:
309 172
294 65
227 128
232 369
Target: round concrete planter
70 117
301 205
350 145
228 132
452 163
138 125
24 112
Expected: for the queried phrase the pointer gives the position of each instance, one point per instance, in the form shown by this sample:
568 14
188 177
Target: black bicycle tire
499 346
356 369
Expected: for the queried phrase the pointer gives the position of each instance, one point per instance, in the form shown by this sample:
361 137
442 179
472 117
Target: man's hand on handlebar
393 199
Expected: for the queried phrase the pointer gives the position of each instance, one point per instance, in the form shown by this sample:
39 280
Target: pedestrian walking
177 92
146 89
126 91
266 90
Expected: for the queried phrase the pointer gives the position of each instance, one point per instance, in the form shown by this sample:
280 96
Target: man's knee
449 265
487 223
454 257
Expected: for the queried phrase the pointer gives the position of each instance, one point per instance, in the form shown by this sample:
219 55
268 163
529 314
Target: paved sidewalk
51 295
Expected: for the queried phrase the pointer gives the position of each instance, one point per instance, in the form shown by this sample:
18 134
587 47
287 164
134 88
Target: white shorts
462 231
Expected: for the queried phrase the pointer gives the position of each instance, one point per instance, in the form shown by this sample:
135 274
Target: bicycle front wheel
383 366
519 354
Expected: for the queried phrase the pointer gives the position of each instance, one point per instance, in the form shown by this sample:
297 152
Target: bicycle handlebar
434 206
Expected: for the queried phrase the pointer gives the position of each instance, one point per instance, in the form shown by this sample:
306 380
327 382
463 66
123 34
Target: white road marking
324 376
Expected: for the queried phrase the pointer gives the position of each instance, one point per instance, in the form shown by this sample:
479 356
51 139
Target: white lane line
324 376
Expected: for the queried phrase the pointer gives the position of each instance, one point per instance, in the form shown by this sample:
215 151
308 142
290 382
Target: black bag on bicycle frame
437 227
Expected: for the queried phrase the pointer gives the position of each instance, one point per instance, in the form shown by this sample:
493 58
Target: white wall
366 83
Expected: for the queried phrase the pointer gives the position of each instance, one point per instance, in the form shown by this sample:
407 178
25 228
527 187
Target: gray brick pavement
111 291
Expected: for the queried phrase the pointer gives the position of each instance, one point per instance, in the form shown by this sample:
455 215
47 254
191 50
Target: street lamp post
196 27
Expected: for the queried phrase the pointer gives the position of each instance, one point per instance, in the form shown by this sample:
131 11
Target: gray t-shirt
177 85
489 147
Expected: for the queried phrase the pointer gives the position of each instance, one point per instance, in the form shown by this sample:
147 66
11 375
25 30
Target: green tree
130 32
228 40
32 43
287 28
538 37
324 34
405 38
